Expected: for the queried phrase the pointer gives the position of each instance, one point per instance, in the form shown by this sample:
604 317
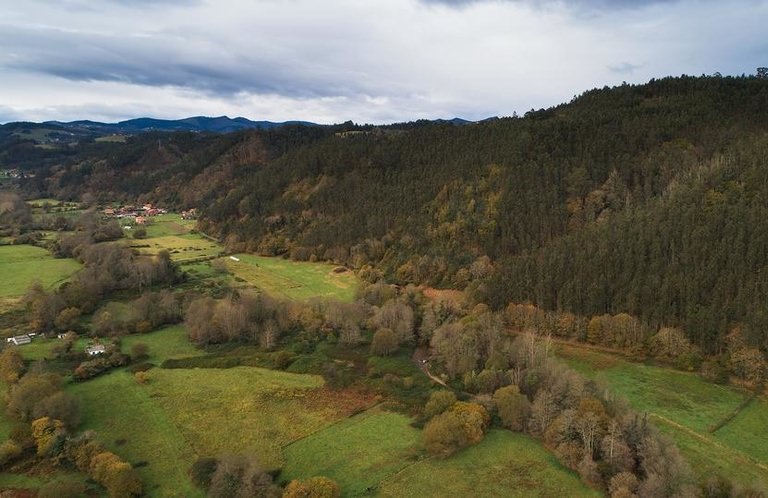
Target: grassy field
164 344
21 265
358 452
132 423
294 280
503 464
685 407
182 247
247 409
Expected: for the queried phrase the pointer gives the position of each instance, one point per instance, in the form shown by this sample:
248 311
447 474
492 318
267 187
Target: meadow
292 279
247 409
503 464
686 407
21 265
358 453
185 247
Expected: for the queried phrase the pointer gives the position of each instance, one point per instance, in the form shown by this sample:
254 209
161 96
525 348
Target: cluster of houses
20 340
190 214
137 214
14 173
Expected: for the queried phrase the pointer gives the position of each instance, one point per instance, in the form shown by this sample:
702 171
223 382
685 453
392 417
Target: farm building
94 350
19 339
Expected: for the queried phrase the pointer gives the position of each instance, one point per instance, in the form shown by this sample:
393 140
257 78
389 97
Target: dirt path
421 359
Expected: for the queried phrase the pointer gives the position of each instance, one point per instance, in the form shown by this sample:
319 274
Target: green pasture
167 343
131 422
23 264
244 409
293 279
686 407
181 247
503 464
167 224
112 138
358 453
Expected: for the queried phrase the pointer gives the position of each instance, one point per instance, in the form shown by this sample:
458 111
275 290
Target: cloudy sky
371 61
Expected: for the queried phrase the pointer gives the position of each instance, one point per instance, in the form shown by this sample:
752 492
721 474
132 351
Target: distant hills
221 124
53 133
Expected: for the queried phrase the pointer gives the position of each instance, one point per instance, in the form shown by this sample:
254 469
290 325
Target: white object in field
234 258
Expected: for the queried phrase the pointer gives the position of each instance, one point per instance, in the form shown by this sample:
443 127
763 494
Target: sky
369 61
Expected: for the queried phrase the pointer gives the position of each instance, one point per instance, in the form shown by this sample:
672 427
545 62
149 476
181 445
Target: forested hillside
649 200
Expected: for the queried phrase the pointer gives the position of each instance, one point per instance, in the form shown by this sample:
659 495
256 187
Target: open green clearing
292 279
21 265
685 407
503 464
246 409
358 452
182 247
134 425
164 344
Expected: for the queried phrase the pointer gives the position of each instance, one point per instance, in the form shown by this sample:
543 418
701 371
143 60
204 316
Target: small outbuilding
19 339
95 350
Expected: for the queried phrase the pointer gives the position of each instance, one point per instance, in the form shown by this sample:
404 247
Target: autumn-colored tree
28 392
398 317
623 485
314 487
67 318
9 451
439 402
11 365
120 479
513 407
48 434
463 424
384 342
444 435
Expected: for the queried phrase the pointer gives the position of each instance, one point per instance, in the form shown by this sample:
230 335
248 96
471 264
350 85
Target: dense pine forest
650 200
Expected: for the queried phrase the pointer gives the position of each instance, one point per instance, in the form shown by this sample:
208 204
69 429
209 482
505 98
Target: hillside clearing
23 264
358 453
292 279
684 406
503 464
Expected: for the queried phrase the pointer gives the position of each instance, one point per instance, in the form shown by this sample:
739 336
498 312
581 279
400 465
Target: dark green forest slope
649 199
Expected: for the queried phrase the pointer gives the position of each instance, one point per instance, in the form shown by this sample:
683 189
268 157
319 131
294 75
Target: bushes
9 451
98 366
384 342
463 424
314 487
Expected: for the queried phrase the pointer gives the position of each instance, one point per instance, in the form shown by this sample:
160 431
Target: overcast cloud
369 61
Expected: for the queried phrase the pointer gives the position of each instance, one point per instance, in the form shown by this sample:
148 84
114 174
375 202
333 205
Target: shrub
202 471
439 402
384 342
139 351
314 487
62 489
9 451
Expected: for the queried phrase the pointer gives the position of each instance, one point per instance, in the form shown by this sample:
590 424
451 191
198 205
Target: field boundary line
358 415
711 441
734 413
412 464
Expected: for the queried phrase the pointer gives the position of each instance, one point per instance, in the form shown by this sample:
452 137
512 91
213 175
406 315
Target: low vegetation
20 265
294 280
503 464
687 408
358 453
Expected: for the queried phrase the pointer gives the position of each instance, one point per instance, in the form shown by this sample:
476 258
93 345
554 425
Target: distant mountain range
221 124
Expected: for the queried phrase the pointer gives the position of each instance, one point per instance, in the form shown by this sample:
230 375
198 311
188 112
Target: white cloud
333 60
